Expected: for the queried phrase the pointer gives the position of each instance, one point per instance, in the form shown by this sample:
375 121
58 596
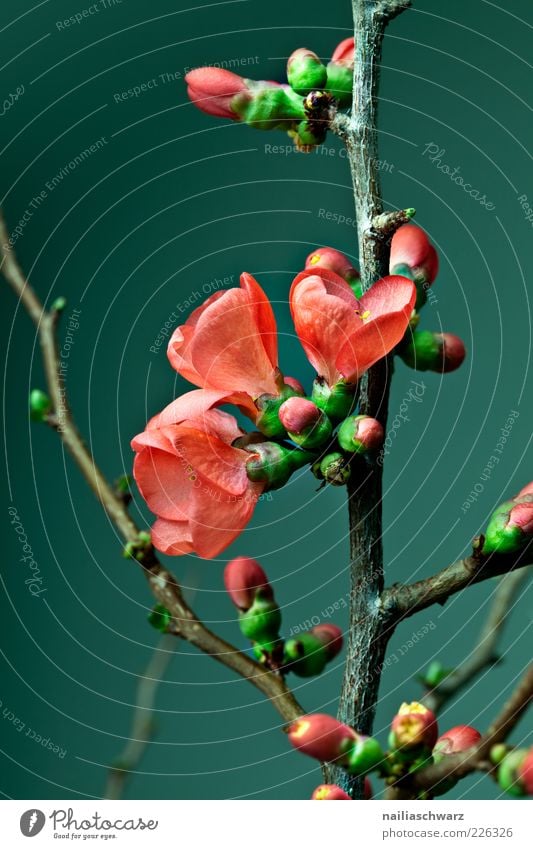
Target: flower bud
425 350
414 727
305 71
333 468
160 618
268 106
365 755
330 636
525 773
305 655
329 792
212 90
340 72
336 401
322 737
295 385
335 261
509 773
306 424
308 135
510 526
435 674
40 405
457 739
360 434
273 464
244 580
262 621
411 247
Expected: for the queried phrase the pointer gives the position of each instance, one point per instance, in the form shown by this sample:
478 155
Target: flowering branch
162 583
484 653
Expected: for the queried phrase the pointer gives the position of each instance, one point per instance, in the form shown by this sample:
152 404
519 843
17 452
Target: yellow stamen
413 707
366 315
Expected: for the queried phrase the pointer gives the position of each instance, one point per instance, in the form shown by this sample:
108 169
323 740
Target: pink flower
344 53
213 89
322 737
342 336
410 246
230 343
243 578
191 476
457 739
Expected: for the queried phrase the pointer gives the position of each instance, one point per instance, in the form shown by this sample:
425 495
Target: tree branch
402 600
368 632
484 653
162 583
457 766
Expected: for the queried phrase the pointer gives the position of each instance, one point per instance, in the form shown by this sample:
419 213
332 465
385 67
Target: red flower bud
509 526
453 350
526 490
413 727
360 434
305 71
305 423
212 90
294 384
333 260
457 739
330 636
525 773
410 246
243 579
329 792
425 350
322 737
344 53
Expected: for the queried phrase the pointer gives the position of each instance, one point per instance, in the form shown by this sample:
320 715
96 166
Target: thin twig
162 583
142 726
485 652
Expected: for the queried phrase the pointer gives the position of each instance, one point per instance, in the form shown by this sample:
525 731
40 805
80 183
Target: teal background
172 201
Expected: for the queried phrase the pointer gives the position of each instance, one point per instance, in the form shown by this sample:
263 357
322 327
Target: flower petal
264 316
164 483
215 527
172 537
213 459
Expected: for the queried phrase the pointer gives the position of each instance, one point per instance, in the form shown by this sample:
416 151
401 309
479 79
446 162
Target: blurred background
167 205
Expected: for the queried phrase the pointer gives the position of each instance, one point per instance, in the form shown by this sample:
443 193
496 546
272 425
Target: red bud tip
410 246
243 578
525 772
329 792
334 261
453 351
330 636
212 90
414 726
344 53
457 739
369 432
299 414
526 490
521 517
294 384
322 737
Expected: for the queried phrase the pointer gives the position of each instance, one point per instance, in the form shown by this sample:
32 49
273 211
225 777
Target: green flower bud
306 655
40 405
59 304
273 463
309 134
334 468
365 755
339 83
268 106
305 71
508 772
306 424
425 350
435 674
160 618
510 526
336 401
360 434
261 622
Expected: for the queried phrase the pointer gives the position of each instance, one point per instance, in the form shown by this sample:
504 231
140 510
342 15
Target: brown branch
457 766
142 726
402 600
484 654
368 631
162 583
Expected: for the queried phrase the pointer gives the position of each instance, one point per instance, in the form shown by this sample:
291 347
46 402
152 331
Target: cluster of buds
412 255
510 527
514 770
260 622
301 108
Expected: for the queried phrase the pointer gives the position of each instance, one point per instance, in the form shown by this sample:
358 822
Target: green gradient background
173 200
